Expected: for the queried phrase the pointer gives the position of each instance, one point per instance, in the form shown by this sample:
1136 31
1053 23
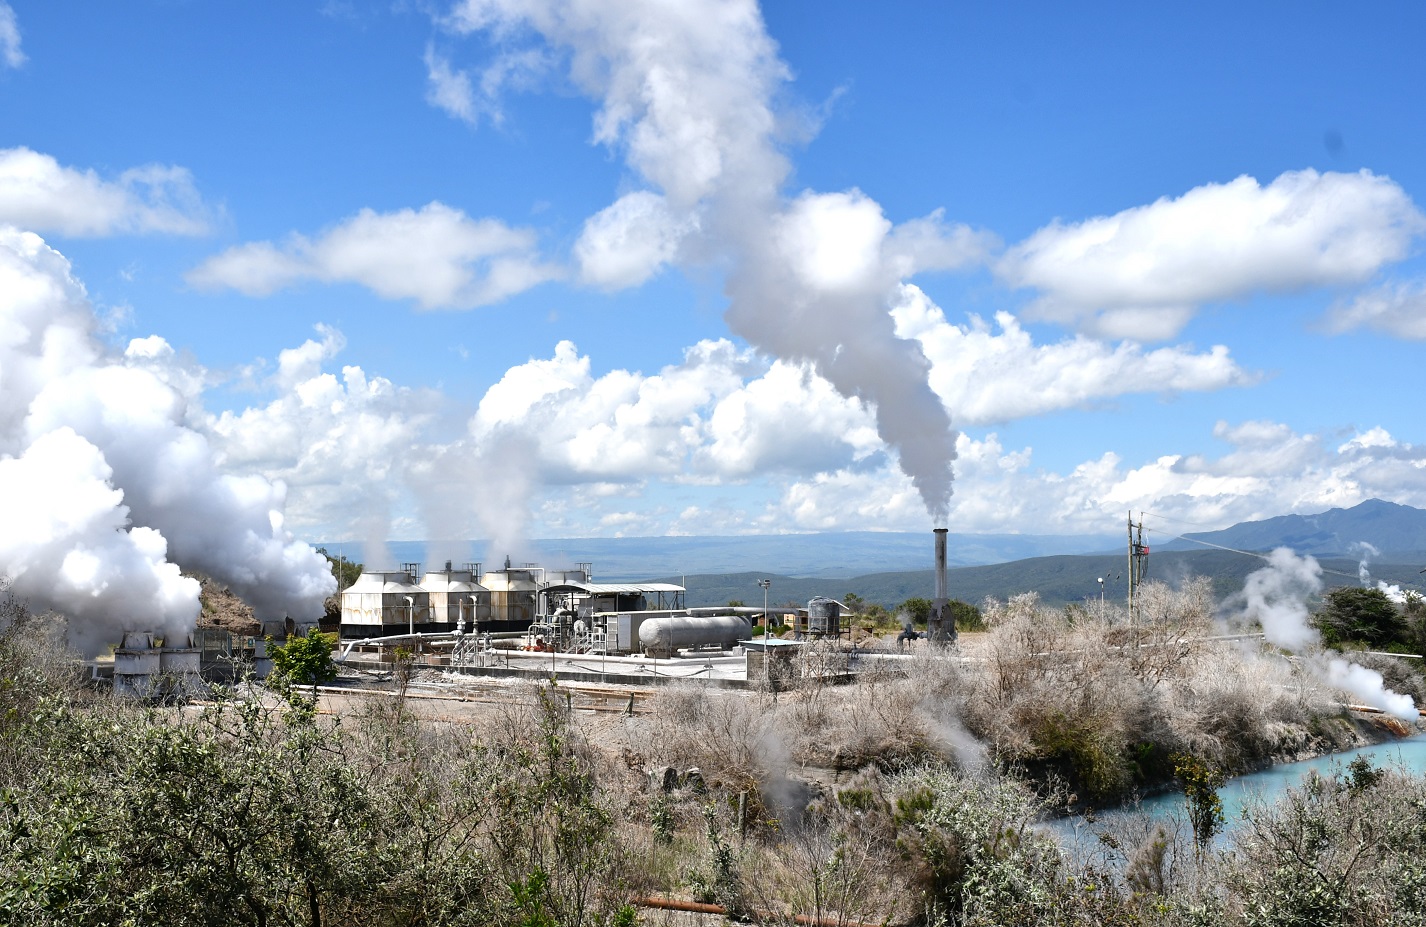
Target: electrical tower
1138 563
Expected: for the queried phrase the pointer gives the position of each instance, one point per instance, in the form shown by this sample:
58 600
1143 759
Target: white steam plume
1276 597
1368 552
1392 591
114 479
686 94
485 480
68 544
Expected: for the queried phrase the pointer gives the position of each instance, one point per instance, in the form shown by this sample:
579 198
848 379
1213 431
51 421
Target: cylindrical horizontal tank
824 616
663 637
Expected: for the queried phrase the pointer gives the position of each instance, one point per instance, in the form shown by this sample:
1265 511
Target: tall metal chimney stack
940 564
941 627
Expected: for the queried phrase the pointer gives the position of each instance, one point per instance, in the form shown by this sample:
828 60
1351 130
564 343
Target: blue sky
509 269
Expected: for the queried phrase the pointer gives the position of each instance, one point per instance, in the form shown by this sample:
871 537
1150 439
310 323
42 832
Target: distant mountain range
1059 580
890 567
1392 529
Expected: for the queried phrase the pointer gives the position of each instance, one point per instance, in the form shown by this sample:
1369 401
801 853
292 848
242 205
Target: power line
1248 553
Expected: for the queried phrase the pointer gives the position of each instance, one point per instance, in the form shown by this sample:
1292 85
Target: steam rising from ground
1276 597
106 487
1392 591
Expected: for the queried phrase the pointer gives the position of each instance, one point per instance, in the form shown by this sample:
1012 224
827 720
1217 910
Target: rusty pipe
698 907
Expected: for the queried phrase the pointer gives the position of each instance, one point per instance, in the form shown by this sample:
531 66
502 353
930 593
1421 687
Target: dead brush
722 733
1081 696
890 719
1240 707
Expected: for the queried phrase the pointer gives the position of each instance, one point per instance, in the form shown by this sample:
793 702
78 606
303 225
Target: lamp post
1101 593
767 633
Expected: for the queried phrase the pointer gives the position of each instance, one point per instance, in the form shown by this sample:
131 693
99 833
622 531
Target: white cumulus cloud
1396 309
719 415
630 240
449 88
437 256
39 194
1268 470
987 377
1143 273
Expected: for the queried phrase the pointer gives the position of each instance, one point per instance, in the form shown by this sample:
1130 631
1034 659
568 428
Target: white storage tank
664 637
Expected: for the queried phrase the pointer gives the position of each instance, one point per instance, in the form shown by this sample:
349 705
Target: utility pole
767 635
1138 566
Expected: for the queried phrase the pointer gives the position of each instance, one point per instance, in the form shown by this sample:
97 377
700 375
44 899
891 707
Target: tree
345 571
967 616
1201 781
1352 613
854 603
917 609
305 661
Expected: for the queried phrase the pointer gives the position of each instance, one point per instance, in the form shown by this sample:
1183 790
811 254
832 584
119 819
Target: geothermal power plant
540 620
526 618
532 608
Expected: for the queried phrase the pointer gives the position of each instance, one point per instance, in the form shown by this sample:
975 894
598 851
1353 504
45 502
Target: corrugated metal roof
617 588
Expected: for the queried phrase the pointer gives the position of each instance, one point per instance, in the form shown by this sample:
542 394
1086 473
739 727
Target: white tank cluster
383 602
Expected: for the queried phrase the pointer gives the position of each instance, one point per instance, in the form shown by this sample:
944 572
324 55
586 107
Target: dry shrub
1059 699
727 735
1088 697
897 715
839 867
1187 607
1241 707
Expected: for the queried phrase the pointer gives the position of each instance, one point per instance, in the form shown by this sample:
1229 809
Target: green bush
1354 613
306 660
1076 751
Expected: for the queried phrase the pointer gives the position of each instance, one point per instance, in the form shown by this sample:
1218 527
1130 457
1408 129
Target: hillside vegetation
909 798
1058 581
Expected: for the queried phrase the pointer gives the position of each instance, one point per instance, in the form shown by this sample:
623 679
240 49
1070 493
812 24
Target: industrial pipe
698 907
